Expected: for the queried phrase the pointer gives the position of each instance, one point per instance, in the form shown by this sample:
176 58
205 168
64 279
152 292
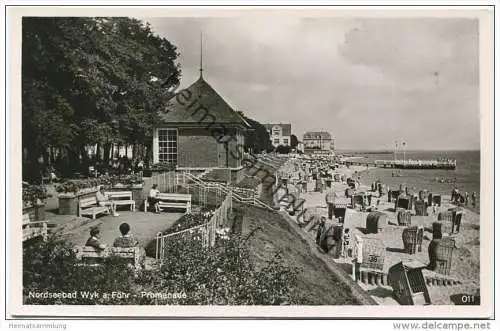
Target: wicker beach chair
373 254
408 284
412 239
403 202
420 208
358 200
368 262
437 232
422 195
436 199
403 216
375 222
392 195
447 218
441 255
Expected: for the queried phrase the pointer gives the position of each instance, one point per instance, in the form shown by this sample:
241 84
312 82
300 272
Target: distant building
318 142
280 134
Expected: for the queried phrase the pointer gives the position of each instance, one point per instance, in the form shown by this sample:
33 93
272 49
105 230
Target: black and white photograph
334 160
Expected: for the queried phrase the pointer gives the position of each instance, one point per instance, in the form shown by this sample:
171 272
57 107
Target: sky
368 81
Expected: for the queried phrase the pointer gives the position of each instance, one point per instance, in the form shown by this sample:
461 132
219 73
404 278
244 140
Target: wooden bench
92 256
172 200
122 198
33 229
89 206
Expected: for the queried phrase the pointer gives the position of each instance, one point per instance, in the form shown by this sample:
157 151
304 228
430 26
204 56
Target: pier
407 164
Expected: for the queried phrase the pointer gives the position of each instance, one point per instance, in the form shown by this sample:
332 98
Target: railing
207 231
170 181
167 181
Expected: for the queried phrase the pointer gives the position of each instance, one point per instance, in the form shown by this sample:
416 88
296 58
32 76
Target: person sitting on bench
126 239
94 240
152 198
103 200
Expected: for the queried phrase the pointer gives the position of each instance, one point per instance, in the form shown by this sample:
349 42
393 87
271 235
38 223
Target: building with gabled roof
199 130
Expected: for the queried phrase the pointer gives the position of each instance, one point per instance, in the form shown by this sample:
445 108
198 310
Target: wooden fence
206 232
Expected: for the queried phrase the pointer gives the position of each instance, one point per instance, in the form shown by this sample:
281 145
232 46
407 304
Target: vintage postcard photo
271 162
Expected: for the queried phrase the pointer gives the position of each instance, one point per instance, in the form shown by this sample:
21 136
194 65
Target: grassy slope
316 282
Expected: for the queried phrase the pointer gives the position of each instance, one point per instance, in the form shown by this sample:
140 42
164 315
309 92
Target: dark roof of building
186 107
286 128
317 135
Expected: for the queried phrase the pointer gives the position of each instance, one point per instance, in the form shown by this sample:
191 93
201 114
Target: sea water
466 176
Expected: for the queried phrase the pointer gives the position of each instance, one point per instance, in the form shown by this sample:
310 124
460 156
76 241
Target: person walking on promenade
466 198
473 196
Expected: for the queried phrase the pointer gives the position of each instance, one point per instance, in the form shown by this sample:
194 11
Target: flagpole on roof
201 54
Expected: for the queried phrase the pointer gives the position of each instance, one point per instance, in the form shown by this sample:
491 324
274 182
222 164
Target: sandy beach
465 261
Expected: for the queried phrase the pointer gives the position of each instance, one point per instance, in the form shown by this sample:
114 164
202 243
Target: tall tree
258 138
92 81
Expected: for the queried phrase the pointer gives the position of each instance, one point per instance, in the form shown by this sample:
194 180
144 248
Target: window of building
276 132
276 141
167 140
285 141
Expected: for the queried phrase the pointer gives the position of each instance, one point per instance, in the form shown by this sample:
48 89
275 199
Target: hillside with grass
270 234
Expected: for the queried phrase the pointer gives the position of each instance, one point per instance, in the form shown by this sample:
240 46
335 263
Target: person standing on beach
473 196
434 208
466 198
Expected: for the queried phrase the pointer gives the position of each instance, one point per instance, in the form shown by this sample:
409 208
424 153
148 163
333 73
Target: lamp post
395 151
404 153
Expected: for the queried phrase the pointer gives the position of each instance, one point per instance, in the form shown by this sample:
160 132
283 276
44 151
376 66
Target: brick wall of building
196 149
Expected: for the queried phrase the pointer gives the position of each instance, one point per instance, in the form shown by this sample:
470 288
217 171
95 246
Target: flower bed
34 195
33 202
72 191
84 186
163 167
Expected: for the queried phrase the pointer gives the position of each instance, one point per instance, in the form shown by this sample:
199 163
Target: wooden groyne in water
408 164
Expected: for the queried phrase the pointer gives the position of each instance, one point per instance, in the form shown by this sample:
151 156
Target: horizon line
407 150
